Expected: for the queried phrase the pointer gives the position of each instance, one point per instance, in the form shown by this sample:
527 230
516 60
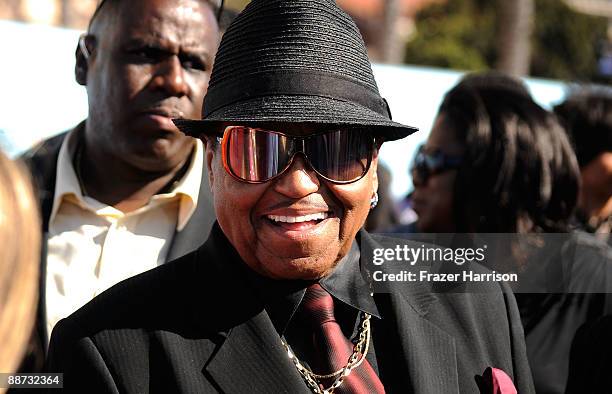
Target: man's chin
159 161
304 268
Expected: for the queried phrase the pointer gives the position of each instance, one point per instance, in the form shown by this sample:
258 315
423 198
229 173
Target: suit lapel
252 358
427 359
249 356
429 351
42 163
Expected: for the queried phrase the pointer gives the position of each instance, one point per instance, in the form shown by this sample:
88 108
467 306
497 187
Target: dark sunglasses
255 155
426 164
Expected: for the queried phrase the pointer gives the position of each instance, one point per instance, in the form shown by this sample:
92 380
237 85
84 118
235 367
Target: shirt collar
347 284
188 187
67 182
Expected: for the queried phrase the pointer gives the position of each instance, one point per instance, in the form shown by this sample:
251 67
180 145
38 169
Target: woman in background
19 256
496 162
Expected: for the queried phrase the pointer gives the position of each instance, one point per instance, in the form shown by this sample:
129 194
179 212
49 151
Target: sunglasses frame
83 45
448 162
300 144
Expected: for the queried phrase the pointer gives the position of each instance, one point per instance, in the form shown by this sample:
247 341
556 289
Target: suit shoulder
43 150
137 301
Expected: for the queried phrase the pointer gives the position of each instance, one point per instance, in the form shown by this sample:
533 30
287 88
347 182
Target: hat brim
294 109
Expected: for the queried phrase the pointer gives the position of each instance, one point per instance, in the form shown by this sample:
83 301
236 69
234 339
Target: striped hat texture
293 61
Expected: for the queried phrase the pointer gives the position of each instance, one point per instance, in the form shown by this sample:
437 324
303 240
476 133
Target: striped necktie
332 347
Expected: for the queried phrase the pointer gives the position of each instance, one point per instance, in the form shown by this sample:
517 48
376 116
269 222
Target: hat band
289 82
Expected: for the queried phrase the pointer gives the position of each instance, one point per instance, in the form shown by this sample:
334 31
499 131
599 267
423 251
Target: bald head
108 8
144 63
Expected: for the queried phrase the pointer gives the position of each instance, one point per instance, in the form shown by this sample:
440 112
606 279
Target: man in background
587 116
124 191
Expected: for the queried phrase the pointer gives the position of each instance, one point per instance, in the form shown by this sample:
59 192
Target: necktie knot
318 305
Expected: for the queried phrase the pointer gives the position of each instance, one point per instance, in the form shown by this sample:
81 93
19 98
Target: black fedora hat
293 61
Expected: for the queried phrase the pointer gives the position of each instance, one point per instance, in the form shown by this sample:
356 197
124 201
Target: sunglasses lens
255 155
427 164
342 155
420 170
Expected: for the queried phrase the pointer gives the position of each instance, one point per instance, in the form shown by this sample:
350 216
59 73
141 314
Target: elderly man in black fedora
274 300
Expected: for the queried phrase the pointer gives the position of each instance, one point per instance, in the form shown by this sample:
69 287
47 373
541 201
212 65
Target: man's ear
211 152
82 55
374 169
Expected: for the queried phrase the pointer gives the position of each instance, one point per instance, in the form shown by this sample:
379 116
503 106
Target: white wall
38 94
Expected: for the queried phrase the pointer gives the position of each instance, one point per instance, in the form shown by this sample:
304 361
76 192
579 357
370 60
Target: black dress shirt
351 293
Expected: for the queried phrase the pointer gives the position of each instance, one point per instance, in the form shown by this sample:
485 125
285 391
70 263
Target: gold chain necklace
360 350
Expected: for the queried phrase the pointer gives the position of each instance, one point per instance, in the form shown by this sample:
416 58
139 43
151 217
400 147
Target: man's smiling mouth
298 222
299 219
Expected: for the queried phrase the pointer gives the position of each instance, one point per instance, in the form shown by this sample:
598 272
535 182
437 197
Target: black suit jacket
591 358
197 326
42 163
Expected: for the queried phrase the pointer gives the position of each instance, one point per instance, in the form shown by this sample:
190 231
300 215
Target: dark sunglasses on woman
256 155
426 164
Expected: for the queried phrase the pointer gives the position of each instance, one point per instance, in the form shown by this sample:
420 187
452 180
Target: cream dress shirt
93 246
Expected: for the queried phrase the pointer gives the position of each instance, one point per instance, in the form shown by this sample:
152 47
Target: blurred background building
65 13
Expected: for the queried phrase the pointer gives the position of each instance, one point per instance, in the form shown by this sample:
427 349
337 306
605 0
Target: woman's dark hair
587 116
519 173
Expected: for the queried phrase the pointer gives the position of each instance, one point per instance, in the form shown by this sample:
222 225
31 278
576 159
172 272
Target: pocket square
495 381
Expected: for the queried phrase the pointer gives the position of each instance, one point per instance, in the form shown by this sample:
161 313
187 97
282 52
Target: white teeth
299 219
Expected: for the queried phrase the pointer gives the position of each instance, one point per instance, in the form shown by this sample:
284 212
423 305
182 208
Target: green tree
451 35
461 35
566 43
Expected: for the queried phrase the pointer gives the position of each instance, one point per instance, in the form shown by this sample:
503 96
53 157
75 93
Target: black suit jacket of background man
196 326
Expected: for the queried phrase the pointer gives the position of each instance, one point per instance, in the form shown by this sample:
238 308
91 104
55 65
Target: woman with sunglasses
277 299
496 162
